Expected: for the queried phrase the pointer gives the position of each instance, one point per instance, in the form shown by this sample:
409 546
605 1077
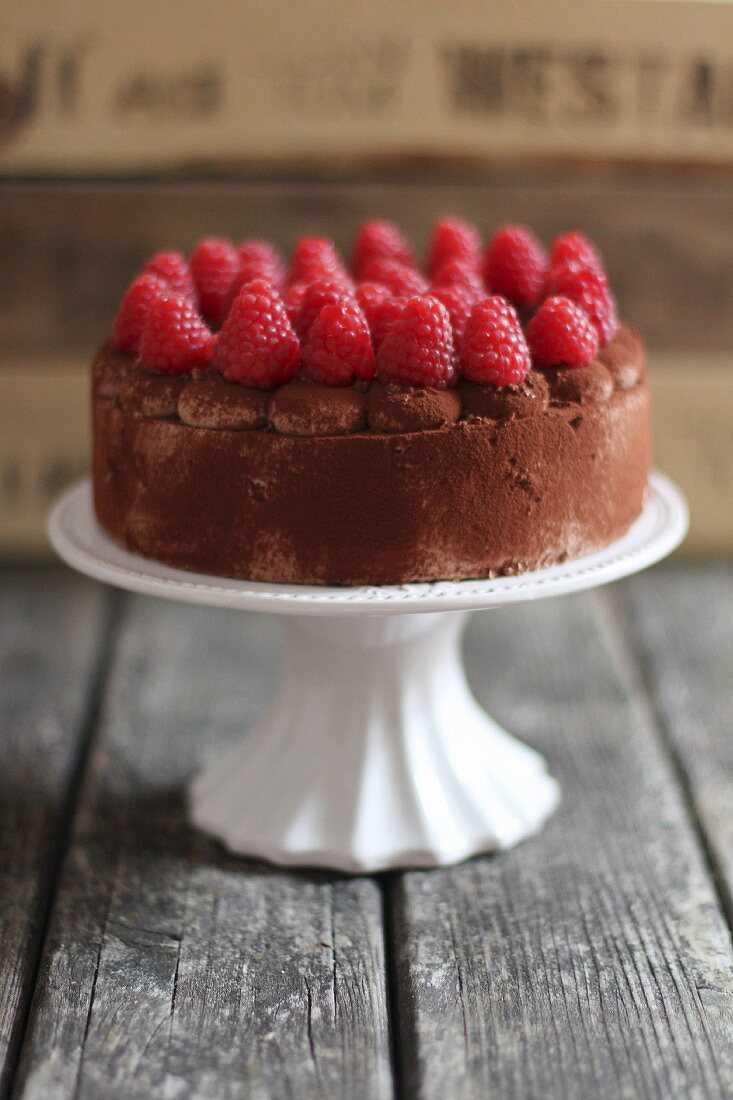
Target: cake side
527 486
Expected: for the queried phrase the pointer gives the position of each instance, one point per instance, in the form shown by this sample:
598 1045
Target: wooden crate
120 87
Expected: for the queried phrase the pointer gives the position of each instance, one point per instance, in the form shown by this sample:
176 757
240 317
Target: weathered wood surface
170 969
595 960
680 622
665 238
52 633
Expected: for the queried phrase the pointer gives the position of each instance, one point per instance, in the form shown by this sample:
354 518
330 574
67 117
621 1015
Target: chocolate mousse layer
352 487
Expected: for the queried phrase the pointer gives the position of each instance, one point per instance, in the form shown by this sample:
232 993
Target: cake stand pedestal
373 754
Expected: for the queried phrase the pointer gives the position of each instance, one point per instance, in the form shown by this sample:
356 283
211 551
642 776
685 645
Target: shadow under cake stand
374 753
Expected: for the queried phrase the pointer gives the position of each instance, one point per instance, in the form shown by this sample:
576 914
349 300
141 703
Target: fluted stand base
374 755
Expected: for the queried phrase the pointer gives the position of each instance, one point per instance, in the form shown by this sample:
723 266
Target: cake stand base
374 754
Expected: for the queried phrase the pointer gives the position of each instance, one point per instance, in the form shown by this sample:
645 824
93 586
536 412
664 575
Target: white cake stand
373 754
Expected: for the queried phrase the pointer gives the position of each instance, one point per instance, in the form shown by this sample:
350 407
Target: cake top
487 314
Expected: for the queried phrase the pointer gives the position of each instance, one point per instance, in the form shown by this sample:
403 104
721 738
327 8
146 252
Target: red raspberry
369 295
494 351
175 339
379 240
561 333
293 297
459 301
458 273
316 258
575 250
260 260
401 279
418 349
590 290
215 265
316 296
134 309
257 345
339 347
515 265
453 239
257 260
383 317
380 308
173 269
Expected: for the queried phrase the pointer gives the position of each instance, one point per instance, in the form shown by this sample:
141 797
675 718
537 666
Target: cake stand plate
373 754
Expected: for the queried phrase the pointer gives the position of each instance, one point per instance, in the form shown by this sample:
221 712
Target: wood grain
680 623
666 240
593 960
52 628
171 969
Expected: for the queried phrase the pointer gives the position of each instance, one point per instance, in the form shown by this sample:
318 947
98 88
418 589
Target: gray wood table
137 959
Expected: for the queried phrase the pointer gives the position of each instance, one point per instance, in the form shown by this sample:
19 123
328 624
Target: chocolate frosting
150 395
395 408
529 398
109 370
625 358
321 496
581 385
312 408
211 402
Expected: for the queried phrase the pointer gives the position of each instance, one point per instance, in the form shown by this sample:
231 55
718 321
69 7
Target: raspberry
173 269
590 290
494 351
515 265
369 295
339 347
175 339
257 260
383 317
459 301
575 250
316 296
459 273
453 239
380 309
260 260
400 278
215 265
134 309
257 345
293 298
316 258
561 333
418 349
379 240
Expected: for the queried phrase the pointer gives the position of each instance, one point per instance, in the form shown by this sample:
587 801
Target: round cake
374 425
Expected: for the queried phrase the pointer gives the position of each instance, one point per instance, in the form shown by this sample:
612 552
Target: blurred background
126 127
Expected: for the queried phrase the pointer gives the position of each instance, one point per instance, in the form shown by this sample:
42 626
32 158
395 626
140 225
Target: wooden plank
680 622
113 90
594 959
45 423
170 968
665 239
52 625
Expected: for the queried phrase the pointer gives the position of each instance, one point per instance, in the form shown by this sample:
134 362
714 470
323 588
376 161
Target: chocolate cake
338 467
